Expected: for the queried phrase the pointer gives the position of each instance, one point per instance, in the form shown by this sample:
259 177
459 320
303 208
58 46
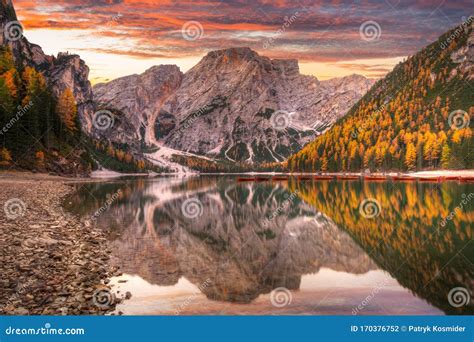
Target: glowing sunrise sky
122 37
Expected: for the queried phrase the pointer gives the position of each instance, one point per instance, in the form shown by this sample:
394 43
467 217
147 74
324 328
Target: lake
212 245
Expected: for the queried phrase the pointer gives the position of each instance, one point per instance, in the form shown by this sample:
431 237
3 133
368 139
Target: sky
329 38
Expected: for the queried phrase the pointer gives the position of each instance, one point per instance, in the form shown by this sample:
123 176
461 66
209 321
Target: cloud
323 32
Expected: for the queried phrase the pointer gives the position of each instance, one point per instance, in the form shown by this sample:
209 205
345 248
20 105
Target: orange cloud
322 31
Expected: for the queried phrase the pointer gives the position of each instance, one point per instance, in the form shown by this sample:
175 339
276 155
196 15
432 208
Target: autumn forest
417 117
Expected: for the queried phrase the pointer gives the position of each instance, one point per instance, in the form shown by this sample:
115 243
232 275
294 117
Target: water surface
212 245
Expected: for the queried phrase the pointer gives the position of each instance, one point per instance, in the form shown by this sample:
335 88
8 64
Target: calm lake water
212 245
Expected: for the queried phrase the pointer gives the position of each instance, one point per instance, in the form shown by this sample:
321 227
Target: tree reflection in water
251 238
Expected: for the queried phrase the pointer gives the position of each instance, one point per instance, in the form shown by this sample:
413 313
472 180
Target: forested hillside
40 131
417 117
34 126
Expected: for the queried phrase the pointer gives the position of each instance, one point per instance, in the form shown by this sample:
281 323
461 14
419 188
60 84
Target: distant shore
442 173
98 176
418 174
423 174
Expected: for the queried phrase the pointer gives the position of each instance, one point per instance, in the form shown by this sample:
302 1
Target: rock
243 93
128 295
46 274
223 106
152 88
46 241
21 311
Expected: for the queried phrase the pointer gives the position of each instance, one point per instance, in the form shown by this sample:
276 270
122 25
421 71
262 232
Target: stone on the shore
50 261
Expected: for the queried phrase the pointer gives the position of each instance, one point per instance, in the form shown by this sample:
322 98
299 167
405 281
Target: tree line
418 117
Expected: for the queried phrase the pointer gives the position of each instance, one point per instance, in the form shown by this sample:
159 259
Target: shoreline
469 172
22 176
52 263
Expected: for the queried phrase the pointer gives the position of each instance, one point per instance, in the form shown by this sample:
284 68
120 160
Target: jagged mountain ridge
222 107
418 117
52 99
62 72
44 100
136 97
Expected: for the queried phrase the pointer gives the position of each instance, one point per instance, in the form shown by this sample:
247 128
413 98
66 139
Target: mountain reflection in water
248 239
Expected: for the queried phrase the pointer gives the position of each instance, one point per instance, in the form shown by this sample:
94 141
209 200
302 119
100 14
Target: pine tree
67 110
445 156
410 157
324 164
40 159
10 78
5 157
6 59
35 86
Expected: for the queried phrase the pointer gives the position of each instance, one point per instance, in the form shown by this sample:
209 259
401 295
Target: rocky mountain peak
235 53
236 56
139 98
163 69
10 28
347 83
234 95
229 61
7 12
224 106
61 72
